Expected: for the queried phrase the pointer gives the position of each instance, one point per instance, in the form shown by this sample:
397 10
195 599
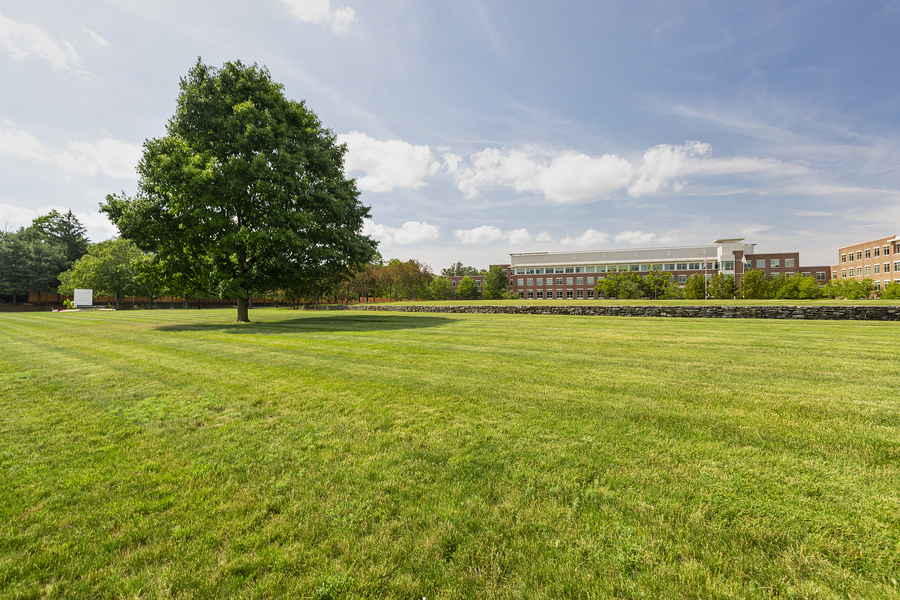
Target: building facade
574 275
878 260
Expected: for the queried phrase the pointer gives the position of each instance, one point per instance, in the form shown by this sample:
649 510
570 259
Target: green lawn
172 453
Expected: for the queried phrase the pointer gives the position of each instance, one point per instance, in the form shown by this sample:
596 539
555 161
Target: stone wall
862 313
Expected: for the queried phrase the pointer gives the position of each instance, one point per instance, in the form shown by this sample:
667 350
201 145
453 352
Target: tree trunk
185 302
119 300
243 315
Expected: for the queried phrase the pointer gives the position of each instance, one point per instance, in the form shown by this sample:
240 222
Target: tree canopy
245 192
110 268
495 283
459 270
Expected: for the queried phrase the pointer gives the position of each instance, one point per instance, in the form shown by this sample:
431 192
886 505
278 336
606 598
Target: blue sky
479 128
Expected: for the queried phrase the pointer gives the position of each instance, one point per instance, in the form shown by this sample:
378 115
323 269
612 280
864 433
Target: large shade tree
245 193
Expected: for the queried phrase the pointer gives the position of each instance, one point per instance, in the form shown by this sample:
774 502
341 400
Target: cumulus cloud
543 237
488 233
319 12
387 164
97 39
518 236
562 178
108 156
22 40
409 233
636 238
480 235
663 165
590 238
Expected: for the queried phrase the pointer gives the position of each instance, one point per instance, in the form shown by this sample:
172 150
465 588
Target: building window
761 264
859 254
878 269
559 294
843 258
569 270
589 269
868 253
520 271
538 271
530 281
531 294
788 262
694 266
669 267
529 271
579 280
850 257
859 271
579 269
560 270
833 275
540 281
521 281
728 265
877 285
896 266
568 281
559 281
868 270
774 273
682 267
887 250
887 267
775 263
820 275
590 281
540 294
877 251
568 294
581 294
682 279
645 267
634 267
590 294
601 269
510 283
843 273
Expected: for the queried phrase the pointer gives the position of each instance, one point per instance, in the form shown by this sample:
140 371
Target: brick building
878 260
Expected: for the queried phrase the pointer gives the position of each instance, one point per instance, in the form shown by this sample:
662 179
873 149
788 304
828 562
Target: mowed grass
172 453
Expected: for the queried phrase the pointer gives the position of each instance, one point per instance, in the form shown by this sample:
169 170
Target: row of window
728 265
477 283
869 269
869 253
539 294
774 263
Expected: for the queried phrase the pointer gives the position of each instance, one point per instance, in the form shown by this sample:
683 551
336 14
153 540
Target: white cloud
97 39
663 164
562 178
518 236
25 39
636 238
319 12
543 237
108 156
111 157
387 165
590 238
480 235
409 233
96 223
488 233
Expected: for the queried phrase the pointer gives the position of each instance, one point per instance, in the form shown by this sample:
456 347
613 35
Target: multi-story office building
573 275
878 260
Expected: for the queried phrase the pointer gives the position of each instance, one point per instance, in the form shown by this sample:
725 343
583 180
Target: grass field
172 453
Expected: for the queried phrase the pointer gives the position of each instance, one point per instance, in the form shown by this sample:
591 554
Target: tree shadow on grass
317 324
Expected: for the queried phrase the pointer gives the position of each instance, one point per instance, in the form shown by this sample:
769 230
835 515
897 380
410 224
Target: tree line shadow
317 324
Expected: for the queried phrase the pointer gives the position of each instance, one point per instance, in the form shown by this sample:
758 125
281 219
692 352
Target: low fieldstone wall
861 313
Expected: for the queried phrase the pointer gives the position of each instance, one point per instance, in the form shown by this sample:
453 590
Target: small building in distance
878 260
573 275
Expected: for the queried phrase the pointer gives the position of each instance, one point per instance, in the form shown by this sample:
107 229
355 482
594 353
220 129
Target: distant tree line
32 258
